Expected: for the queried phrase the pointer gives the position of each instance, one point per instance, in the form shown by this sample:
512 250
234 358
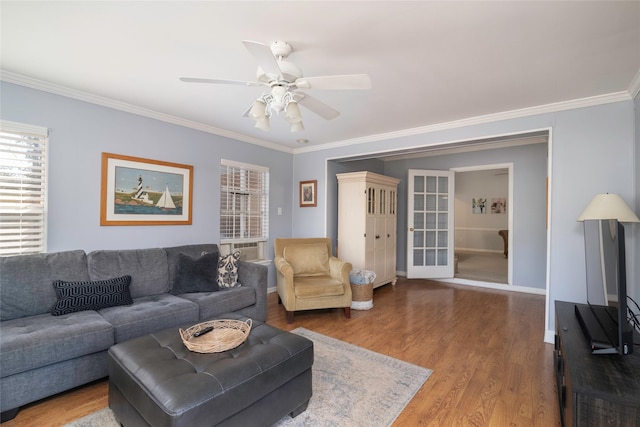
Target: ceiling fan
284 80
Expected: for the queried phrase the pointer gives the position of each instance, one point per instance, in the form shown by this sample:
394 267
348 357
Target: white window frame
254 246
23 188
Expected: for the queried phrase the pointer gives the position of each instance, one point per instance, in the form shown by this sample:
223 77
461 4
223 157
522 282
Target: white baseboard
491 285
549 337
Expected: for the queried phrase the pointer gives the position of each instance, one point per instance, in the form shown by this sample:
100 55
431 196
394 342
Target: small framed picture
308 194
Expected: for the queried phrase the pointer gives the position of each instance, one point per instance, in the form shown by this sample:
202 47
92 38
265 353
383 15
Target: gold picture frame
308 194
137 191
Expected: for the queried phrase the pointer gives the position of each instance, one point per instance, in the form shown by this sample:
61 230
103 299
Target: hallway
482 266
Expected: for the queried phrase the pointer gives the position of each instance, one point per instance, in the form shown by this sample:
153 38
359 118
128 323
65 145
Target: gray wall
80 132
592 151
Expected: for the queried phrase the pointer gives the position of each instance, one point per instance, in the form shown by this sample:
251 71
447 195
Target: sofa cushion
32 342
148 269
149 314
307 258
25 281
194 251
91 295
228 271
213 304
196 275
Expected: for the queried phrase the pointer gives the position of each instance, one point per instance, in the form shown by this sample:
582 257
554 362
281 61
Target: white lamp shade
257 111
292 113
263 123
608 206
297 127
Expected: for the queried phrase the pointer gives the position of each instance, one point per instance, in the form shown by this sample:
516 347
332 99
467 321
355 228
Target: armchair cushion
317 286
308 259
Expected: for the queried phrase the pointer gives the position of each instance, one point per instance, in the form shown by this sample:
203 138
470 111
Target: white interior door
430 244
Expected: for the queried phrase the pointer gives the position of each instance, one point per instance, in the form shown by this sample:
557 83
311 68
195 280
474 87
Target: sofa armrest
254 275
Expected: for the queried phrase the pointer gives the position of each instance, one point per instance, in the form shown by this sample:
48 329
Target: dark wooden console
593 390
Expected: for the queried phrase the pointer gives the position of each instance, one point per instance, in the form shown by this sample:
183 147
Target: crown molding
634 87
21 80
32 83
489 118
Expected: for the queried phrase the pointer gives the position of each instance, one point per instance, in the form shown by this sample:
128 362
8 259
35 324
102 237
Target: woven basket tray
225 335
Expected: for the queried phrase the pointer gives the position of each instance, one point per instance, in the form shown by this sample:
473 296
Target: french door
430 244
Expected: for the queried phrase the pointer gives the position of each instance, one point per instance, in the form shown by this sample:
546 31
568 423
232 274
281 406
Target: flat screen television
604 319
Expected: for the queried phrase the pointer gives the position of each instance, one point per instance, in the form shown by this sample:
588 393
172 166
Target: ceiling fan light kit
292 113
284 80
276 101
262 124
297 127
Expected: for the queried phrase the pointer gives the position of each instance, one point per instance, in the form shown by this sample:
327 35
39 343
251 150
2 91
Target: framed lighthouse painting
138 191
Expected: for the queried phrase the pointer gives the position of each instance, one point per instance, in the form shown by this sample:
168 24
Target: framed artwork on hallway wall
137 191
498 205
479 205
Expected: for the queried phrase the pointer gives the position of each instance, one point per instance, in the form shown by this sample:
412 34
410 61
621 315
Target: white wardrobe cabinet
367 223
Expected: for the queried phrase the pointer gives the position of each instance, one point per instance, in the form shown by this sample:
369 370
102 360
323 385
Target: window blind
244 202
23 158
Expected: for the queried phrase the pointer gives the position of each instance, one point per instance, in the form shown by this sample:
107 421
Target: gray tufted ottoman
155 381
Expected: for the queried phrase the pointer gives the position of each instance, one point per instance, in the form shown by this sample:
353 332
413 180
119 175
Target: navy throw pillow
91 295
196 275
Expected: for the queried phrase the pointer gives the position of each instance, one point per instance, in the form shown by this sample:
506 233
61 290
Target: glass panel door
430 224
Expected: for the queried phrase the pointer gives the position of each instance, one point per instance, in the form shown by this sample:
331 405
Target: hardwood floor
485 347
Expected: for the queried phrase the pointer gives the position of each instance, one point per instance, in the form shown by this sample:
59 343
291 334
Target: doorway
482 221
527 239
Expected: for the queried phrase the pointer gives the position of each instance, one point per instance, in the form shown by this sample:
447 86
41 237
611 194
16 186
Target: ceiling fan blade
348 82
262 53
220 81
316 106
248 110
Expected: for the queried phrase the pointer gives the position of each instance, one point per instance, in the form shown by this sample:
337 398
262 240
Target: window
23 159
244 209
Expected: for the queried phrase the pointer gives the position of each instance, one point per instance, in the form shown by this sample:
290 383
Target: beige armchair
309 277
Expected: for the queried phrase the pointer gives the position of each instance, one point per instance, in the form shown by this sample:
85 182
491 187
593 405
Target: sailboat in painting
166 201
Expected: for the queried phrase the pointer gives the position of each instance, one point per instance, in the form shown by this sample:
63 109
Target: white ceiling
430 62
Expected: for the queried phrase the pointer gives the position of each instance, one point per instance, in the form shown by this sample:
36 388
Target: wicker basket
362 292
225 335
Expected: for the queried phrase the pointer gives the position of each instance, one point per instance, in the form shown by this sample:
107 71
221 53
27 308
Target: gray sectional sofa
42 354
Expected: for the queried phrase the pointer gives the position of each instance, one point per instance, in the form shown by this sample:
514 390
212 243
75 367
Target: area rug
352 386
